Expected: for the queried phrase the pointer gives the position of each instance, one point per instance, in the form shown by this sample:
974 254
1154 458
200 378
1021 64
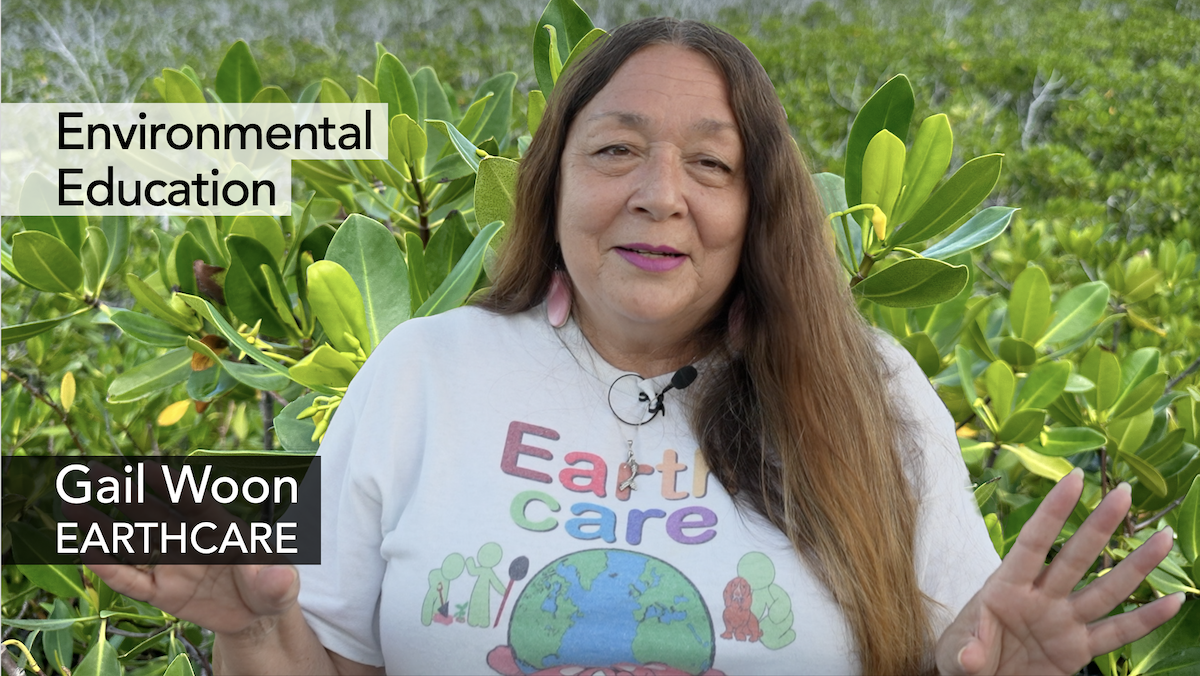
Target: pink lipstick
651 258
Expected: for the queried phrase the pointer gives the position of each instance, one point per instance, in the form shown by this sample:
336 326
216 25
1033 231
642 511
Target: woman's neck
644 355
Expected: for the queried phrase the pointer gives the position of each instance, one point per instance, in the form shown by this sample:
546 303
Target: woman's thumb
268 590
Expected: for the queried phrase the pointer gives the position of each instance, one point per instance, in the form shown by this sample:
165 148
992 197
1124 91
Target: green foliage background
1093 104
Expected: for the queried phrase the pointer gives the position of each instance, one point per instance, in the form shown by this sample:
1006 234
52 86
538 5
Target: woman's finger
1080 551
268 590
1102 595
1111 633
123 578
1025 560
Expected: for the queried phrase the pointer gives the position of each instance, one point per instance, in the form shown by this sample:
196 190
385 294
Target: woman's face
653 199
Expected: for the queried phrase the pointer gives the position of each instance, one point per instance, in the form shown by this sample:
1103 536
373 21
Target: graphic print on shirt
757 609
436 607
611 609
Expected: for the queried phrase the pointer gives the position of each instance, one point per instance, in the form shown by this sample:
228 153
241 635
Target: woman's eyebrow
706 126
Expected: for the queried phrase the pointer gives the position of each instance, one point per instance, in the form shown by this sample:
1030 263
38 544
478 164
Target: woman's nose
660 193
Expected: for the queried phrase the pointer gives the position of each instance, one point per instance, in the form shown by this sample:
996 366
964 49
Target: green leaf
1066 410
238 80
259 227
94 257
180 666
1186 661
280 301
1187 528
1064 441
1130 433
832 190
158 307
1075 312
922 349
537 107
332 92
926 164
19 332
571 24
1102 368
407 146
891 108
1177 634
461 280
1044 384
181 88
447 245
1138 366
980 229
67 229
1041 465
324 366
293 434
206 234
1146 473
271 94
338 304
1022 426
367 92
1001 383
236 341
995 532
185 253
368 251
246 287
965 362
985 491
1140 397
1029 304
116 232
1018 353
951 203
100 660
418 279
883 171
147 329
1164 450
395 86
493 123
914 282
495 190
45 263
154 376
57 645
466 150
582 46
431 98
60 580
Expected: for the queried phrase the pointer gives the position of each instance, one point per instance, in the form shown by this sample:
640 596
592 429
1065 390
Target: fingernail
1170 532
1124 486
1178 596
962 650
1078 471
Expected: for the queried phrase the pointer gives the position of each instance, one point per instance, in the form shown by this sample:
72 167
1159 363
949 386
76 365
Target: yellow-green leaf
66 391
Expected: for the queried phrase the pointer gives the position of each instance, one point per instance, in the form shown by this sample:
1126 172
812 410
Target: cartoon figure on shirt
436 607
770 607
608 611
740 623
479 613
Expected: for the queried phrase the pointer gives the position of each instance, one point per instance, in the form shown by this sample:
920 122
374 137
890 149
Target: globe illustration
604 607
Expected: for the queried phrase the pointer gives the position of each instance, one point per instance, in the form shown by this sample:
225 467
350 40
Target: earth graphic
608 611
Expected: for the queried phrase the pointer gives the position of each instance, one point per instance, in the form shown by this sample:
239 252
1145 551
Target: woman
536 464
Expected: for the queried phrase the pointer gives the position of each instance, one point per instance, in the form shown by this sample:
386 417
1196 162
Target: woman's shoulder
466 328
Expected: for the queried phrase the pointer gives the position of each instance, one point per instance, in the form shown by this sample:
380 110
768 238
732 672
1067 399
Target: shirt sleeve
366 479
954 554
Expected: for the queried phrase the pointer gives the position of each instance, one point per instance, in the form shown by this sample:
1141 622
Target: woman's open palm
1028 619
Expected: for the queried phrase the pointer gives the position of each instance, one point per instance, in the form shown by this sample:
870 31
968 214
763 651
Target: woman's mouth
652 258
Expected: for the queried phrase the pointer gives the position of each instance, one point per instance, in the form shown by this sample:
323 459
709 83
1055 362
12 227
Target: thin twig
133 634
10 665
1186 372
47 401
205 668
995 278
1142 524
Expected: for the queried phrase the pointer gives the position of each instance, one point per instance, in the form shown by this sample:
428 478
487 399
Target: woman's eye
709 163
615 151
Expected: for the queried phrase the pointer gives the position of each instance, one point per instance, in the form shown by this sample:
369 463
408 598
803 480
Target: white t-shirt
473 521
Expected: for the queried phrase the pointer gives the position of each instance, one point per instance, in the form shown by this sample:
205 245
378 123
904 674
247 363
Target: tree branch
47 401
1186 372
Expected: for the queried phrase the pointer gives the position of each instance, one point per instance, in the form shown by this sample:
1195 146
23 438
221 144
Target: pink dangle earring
558 300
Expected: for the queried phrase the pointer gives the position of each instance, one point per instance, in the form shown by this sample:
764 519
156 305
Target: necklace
631 464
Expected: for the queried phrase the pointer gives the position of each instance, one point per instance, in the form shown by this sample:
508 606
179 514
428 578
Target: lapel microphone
682 378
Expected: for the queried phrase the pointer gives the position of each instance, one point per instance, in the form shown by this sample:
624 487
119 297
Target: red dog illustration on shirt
740 623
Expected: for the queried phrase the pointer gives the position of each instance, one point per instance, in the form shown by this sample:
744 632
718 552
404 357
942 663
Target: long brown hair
797 423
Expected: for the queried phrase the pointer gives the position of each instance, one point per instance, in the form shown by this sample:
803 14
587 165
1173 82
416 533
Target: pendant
632 464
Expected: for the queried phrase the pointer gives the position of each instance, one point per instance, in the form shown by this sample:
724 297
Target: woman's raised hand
228 599
1028 619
